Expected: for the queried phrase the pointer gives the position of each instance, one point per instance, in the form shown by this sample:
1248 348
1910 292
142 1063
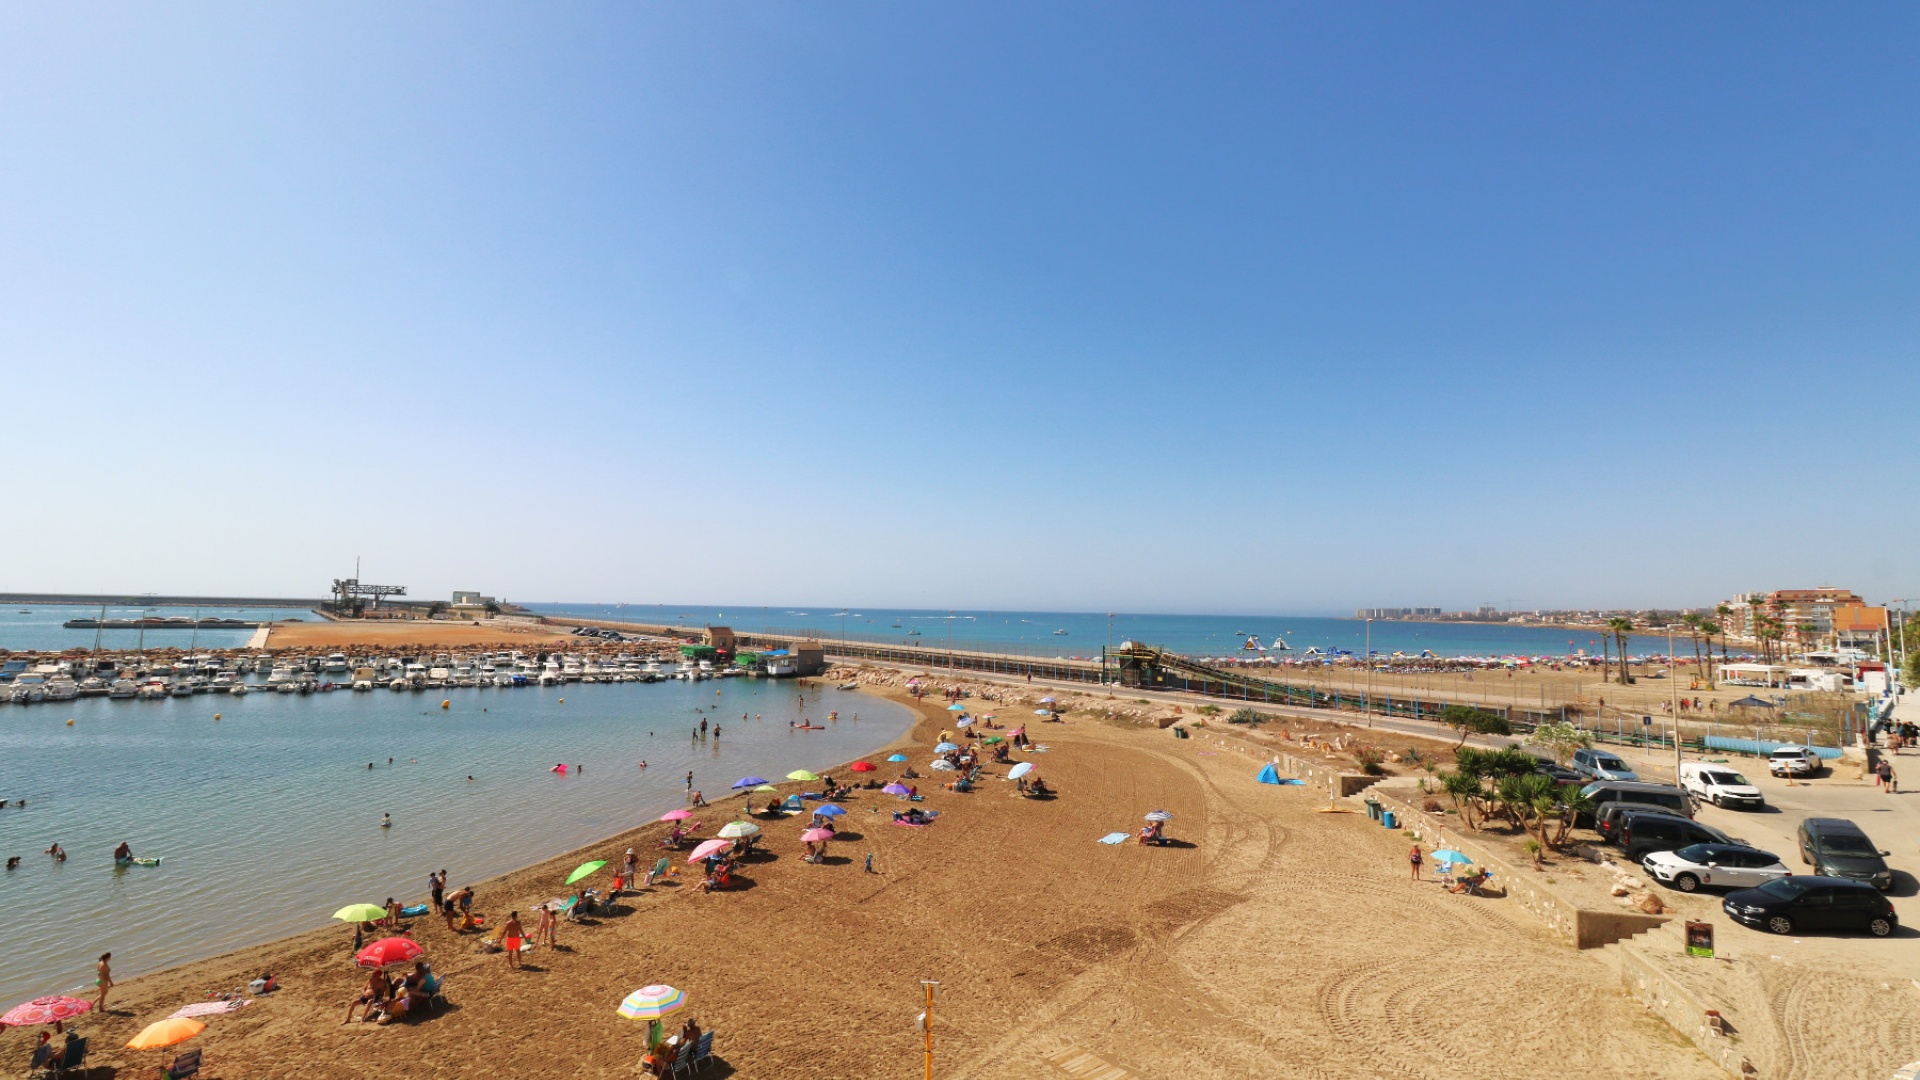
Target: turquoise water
38 626
1086 633
268 819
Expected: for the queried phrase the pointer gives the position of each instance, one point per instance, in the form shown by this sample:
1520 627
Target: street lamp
1366 698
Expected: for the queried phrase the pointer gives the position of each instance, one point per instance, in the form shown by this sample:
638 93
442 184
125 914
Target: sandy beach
1271 940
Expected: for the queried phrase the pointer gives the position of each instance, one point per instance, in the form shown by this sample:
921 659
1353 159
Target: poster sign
1700 939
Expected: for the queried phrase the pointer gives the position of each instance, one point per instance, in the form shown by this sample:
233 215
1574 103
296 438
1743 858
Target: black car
1642 832
1837 848
1790 905
1561 775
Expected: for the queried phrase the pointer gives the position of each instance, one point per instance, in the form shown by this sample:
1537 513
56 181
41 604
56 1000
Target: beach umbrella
801 774
735 830
708 848
816 836
963 722
1751 702
956 707
585 869
766 787
945 747
991 739
749 781
168 1032
1043 712
1020 770
676 815
1448 855
387 953
360 913
896 757
650 1003
1157 815
896 789
862 766
1046 701
942 765
45 1010
828 810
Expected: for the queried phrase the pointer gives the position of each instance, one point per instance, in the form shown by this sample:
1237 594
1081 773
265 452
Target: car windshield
1848 847
1697 853
1783 889
1608 761
1723 778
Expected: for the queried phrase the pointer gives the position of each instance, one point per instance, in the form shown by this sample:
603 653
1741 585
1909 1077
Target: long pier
154 600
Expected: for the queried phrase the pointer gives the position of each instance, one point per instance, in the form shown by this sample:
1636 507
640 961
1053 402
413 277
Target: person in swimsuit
123 853
57 852
378 990
103 978
1415 859
511 939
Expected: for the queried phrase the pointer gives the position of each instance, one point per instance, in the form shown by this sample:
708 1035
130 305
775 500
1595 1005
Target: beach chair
658 873
693 1058
435 987
187 1064
76 1054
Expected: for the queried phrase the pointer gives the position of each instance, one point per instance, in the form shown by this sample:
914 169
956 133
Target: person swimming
386 821
123 853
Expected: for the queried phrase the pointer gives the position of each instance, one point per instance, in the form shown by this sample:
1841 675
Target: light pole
1366 696
1109 652
1673 675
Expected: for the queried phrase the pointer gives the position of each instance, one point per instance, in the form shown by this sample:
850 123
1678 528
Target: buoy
216 716
446 703
69 723
563 701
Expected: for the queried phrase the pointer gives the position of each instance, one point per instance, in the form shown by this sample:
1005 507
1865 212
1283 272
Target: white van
1719 785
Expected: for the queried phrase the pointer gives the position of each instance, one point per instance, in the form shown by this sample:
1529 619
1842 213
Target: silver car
1728 866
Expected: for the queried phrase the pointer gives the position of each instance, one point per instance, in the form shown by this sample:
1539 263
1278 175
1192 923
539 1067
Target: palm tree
1464 789
1708 628
1621 626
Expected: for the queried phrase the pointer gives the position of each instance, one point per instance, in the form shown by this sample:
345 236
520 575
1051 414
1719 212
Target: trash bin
1373 810
1388 819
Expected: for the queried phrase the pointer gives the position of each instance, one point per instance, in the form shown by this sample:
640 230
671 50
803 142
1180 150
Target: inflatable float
410 912
137 862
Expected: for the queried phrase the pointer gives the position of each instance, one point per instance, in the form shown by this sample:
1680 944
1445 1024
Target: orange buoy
446 703
216 716
69 723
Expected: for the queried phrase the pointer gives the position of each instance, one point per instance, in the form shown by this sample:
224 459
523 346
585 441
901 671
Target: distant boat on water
1059 633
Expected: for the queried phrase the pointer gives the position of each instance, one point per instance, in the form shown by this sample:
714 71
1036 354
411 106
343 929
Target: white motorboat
240 689
123 689
336 664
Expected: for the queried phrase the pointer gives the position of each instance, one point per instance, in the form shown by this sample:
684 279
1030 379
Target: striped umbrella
734 830
46 1010
653 1002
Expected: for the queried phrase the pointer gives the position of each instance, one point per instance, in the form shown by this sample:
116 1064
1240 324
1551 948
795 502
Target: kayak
137 862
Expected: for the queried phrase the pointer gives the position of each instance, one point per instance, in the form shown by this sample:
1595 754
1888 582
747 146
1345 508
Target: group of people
661 1059
386 999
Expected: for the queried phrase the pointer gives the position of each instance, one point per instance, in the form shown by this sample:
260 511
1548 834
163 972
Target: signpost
1700 939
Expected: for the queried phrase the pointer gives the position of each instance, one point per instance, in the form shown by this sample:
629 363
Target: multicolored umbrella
652 1002
1157 815
360 913
801 774
862 766
707 848
585 869
676 815
734 830
1020 770
46 1010
168 1032
816 836
386 953
748 781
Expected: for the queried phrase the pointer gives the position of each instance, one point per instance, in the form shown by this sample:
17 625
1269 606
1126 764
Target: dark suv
1789 905
1642 832
1603 792
1837 848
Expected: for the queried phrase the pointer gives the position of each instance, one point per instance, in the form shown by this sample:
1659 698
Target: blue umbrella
956 707
944 747
1448 855
896 757
749 781
827 810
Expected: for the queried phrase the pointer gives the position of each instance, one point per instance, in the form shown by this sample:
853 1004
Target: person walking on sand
103 978
511 938
1889 782
1414 858
543 933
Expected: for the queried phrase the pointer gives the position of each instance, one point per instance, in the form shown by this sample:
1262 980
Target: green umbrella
360 913
586 869
801 774
766 787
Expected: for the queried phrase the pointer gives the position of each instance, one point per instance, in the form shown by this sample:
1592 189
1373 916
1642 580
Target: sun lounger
187 1064
658 873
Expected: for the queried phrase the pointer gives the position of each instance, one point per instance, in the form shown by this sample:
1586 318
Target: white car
1729 866
1719 785
1792 761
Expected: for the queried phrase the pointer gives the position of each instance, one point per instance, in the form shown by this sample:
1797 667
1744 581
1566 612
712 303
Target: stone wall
1677 1005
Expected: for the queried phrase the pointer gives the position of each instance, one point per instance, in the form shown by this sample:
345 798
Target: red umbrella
389 952
46 1010
861 766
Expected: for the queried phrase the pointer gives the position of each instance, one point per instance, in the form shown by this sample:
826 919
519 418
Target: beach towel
914 824
208 1008
1113 838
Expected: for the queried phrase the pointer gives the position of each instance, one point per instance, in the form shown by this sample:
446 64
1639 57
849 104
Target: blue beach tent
1269 775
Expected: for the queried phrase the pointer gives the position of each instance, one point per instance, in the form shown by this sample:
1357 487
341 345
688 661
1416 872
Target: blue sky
1087 306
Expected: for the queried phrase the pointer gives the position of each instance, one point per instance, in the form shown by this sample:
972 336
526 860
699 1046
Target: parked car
1602 765
1719 785
1838 848
1728 865
1642 832
1561 774
1791 905
1793 761
1664 796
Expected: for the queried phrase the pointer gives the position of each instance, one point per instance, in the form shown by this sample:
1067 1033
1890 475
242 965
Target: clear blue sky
1176 307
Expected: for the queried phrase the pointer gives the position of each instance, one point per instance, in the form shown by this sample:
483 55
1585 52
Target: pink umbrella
676 815
709 848
389 952
896 789
815 836
46 1010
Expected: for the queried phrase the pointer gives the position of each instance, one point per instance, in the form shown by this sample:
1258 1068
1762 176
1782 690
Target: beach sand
1270 941
418 633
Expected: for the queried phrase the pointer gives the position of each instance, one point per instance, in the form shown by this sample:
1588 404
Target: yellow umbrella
361 913
166 1033
801 774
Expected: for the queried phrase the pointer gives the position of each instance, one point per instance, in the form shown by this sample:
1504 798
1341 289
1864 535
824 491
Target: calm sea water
1195 635
268 819
38 626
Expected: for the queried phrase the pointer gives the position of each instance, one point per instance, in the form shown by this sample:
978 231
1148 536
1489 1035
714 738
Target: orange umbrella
166 1033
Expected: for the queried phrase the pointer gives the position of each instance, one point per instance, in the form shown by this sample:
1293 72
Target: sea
1040 633
40 626
266 816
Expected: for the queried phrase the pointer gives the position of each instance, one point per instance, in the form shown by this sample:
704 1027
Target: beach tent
1269 775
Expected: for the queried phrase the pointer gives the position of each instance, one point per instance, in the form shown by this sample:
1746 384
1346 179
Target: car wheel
1686 883
1780 924
1880 927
